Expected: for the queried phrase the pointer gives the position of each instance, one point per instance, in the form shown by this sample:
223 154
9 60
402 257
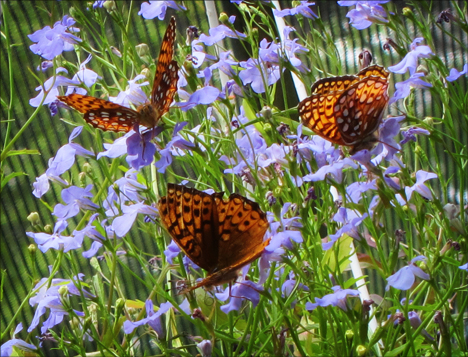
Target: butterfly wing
317 113
359 109
190 217
102 114
333 84
242 226
166 77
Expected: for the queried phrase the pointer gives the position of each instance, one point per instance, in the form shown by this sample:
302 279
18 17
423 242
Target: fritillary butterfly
109 116
220 236
347 110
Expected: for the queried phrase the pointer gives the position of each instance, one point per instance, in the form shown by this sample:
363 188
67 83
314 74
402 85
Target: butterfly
347 110
110 116
221 236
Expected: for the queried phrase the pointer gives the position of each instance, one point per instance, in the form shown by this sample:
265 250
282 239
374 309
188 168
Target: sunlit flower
244 289
84 75
153 319
158 9
51 42
366 13
302 8
75 198
410 61
454 74
403 88
7 348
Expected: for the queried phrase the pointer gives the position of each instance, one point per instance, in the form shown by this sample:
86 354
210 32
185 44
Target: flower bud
429 121
33 218
224 19
48 229
87 167
349 334
63 290
255 34
119 304
32 249
266 113
146 72
407 12
82 178
142 49
109 5
72 12
361 350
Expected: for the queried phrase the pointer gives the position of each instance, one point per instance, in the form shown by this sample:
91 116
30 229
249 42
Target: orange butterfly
220 236
347 110
110 116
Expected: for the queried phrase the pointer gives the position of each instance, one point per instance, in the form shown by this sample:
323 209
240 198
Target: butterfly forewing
166 77
347 116
101 113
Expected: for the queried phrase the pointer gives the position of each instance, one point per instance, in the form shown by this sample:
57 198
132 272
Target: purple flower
403 279
45 65
415 322
124 223
387 132
410 61
51 86
356 189
129 190
176 141
350 219
219 33
285 237
335 169
158 9
411 133
133 94
291 48
464 267
258 74
338 298
171 252
403 88
98 3
393 182
288 287
365 13
62 162
454 74
245 289
225 64
205 95
56 241
205 348
140 148
49 298
91 232
302 8
84 75
51 42
419 187
7 348
75 198
153 319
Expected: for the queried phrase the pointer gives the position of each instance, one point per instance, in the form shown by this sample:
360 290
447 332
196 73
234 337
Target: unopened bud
32 249
429 121
48 229
224 19
349 334
142 49
361 350
82 177
33 218
116 51
63 290
266 113
87 167
109 5
407 12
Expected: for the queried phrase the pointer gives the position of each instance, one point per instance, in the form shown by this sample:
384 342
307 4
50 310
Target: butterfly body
347 110
109 116
221 236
